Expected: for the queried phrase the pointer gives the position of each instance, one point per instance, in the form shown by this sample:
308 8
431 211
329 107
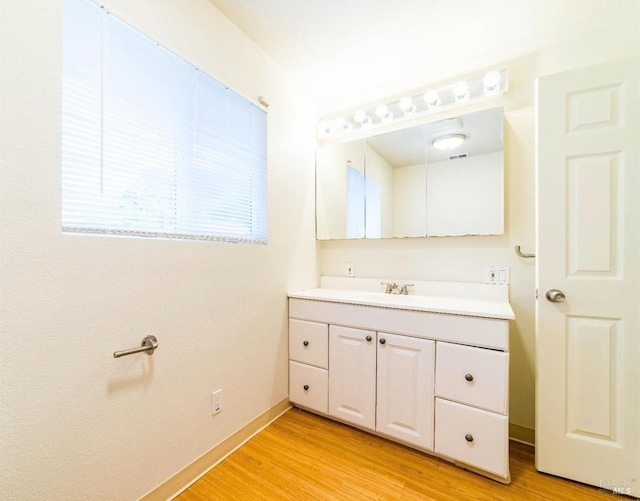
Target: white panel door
405 389
588 382
352 376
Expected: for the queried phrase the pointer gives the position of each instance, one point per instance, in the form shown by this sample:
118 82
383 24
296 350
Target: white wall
603 31
466 196
76 423
409 207
378 169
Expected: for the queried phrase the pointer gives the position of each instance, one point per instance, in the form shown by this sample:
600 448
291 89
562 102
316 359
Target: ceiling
349 52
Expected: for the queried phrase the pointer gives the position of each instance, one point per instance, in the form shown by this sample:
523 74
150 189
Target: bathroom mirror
397 184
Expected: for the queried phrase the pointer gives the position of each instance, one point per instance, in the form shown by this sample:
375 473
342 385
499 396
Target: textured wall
76 423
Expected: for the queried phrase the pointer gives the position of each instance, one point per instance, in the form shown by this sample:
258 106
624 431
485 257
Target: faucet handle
404 290
390 287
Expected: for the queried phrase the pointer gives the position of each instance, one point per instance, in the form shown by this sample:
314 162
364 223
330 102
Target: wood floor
302 456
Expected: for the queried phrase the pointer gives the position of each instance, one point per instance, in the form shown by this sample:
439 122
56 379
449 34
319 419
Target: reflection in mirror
340 191
444 178
398 184
399 161
465 185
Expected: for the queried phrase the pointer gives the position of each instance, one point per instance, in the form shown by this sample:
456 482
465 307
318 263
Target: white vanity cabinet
436 381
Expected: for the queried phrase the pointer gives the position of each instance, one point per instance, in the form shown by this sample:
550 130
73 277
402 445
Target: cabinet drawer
472 436
309 343
308 386
473 376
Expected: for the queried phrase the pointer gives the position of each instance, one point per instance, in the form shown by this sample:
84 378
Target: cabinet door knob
468 437
368 338
469 377
306 343
306 387
383 340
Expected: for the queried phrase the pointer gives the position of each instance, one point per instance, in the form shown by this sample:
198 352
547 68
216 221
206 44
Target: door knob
555 296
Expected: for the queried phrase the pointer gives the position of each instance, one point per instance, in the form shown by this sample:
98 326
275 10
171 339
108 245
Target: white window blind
152 146
373 209
364 206
355 203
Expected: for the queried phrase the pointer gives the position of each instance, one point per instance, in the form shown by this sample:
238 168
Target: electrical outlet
349 270
216 402
497 275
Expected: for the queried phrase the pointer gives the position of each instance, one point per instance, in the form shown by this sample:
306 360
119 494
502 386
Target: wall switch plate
497 275
349 270
216 402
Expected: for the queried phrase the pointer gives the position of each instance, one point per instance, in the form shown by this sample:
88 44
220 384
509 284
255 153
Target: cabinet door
405 389
352 376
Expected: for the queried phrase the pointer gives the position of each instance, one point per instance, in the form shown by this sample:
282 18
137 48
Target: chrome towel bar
149 344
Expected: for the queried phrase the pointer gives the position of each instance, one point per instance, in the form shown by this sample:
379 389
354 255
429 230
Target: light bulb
432 99
491 82
342 124
324 129
461 91
362 118
406 105
383 112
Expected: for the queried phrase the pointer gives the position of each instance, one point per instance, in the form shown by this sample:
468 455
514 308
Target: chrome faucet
404 290
391 288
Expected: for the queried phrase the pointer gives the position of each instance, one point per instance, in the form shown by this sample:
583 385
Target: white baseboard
177 483
522 434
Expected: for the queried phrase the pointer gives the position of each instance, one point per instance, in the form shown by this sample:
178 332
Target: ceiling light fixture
449 141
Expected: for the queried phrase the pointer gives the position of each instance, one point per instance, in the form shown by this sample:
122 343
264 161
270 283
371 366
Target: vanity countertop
470 299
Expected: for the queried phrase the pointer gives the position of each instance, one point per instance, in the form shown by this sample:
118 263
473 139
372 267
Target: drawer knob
469 377
368 338
383 340
468 437
306 387
306 343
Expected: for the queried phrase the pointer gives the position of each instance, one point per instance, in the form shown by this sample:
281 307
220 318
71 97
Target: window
151 145
373 208
355 203
364 208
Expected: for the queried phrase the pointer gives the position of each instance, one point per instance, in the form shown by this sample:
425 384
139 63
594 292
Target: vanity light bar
490 85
